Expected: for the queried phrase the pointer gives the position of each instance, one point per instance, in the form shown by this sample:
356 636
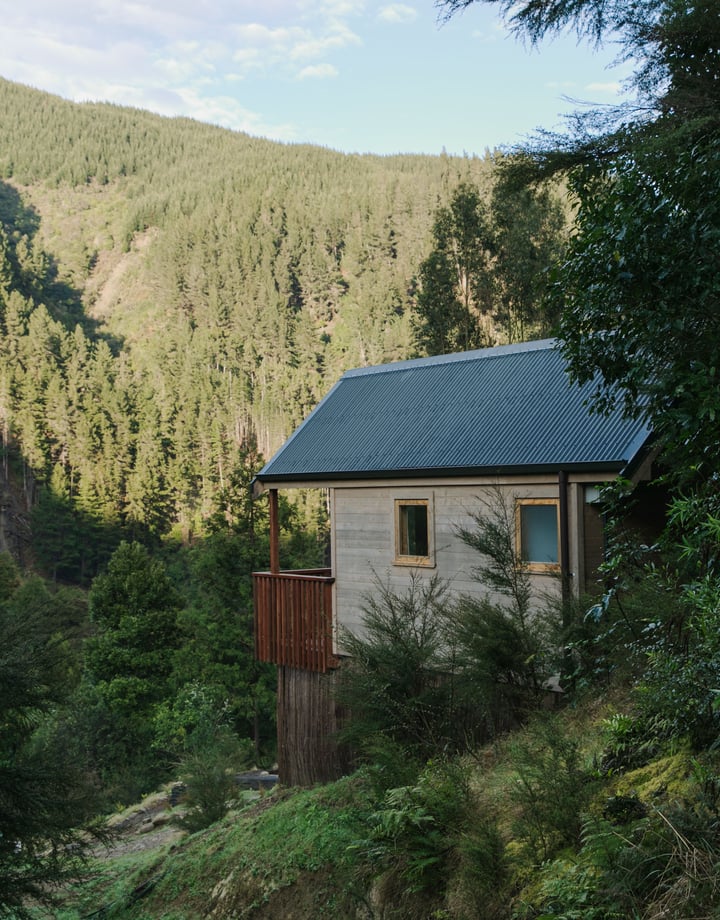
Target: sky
358 76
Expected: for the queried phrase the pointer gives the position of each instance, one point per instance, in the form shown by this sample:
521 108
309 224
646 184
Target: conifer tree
455 296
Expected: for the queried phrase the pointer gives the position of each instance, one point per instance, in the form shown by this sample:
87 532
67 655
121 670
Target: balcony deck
294 620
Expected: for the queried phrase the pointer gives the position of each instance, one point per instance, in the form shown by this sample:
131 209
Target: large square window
412 532
536 522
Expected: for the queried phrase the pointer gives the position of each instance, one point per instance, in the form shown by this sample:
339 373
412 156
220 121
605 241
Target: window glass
413 532
539 533
413 527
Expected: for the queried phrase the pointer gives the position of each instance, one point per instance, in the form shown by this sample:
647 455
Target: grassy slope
293 853
289 846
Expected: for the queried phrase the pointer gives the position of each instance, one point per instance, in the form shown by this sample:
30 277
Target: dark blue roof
505 409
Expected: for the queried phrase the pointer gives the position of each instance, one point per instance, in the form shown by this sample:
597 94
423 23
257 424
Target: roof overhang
260 484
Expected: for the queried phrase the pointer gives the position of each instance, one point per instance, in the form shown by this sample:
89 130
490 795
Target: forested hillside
177 297
174 299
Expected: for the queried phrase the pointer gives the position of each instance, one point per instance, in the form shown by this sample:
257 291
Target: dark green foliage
506 641
129 662
135 606
640 296
483 865
397 685
499 663
430 843
554 787
630 743
418 829
70 545
531 234
44 797
678 693
455 296
484 279
216 650
208 771
656 626
662 863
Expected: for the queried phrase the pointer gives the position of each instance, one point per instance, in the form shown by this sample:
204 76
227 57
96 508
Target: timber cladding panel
364 530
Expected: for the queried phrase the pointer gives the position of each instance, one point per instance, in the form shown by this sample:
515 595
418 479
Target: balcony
293 619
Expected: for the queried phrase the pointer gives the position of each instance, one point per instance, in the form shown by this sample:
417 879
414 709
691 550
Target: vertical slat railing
293 619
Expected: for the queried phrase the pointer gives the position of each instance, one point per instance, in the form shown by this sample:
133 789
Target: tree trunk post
274 532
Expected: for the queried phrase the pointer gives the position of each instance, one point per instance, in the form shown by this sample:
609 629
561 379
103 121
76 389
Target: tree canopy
44 795
638 289
176 298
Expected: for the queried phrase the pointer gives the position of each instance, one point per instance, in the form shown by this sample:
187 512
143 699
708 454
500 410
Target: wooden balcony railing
293 619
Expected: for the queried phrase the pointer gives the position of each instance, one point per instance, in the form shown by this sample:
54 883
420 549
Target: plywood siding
363 527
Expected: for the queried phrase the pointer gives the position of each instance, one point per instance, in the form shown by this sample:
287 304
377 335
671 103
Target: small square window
536 522
412 532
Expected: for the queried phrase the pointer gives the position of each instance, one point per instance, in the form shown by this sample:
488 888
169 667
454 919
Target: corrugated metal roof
505 409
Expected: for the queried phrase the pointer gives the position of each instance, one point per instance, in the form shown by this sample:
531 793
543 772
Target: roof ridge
495 351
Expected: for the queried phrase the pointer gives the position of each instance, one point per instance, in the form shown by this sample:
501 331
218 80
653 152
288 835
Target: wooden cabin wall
308 722
363 537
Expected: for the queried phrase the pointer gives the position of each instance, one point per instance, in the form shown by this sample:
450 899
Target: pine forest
176 298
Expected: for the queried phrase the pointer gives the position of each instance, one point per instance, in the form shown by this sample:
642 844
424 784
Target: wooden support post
565 574
274 532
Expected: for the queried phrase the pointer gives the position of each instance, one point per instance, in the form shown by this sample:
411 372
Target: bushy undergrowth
434 674
605 809
527 828
565 837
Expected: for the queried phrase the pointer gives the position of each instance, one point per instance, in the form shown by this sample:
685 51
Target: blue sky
360 76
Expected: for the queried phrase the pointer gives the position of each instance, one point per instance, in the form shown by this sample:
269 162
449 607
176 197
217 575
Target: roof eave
327 478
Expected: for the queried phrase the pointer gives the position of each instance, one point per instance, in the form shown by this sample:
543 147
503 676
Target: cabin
408 452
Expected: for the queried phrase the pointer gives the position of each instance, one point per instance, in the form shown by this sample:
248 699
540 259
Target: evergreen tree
129 661
638 290
455 296
43 797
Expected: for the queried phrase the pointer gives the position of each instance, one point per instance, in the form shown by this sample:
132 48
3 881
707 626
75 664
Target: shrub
396 685
419 830
680 689
506 649
209 775
552 790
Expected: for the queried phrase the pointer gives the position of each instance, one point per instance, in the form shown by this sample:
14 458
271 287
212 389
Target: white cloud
332 8
397 13
256 33
316 46
485 38
272 48
156 18
228 113
613 87
318 71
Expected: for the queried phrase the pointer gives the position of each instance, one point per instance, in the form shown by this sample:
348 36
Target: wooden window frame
539 567
401 559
